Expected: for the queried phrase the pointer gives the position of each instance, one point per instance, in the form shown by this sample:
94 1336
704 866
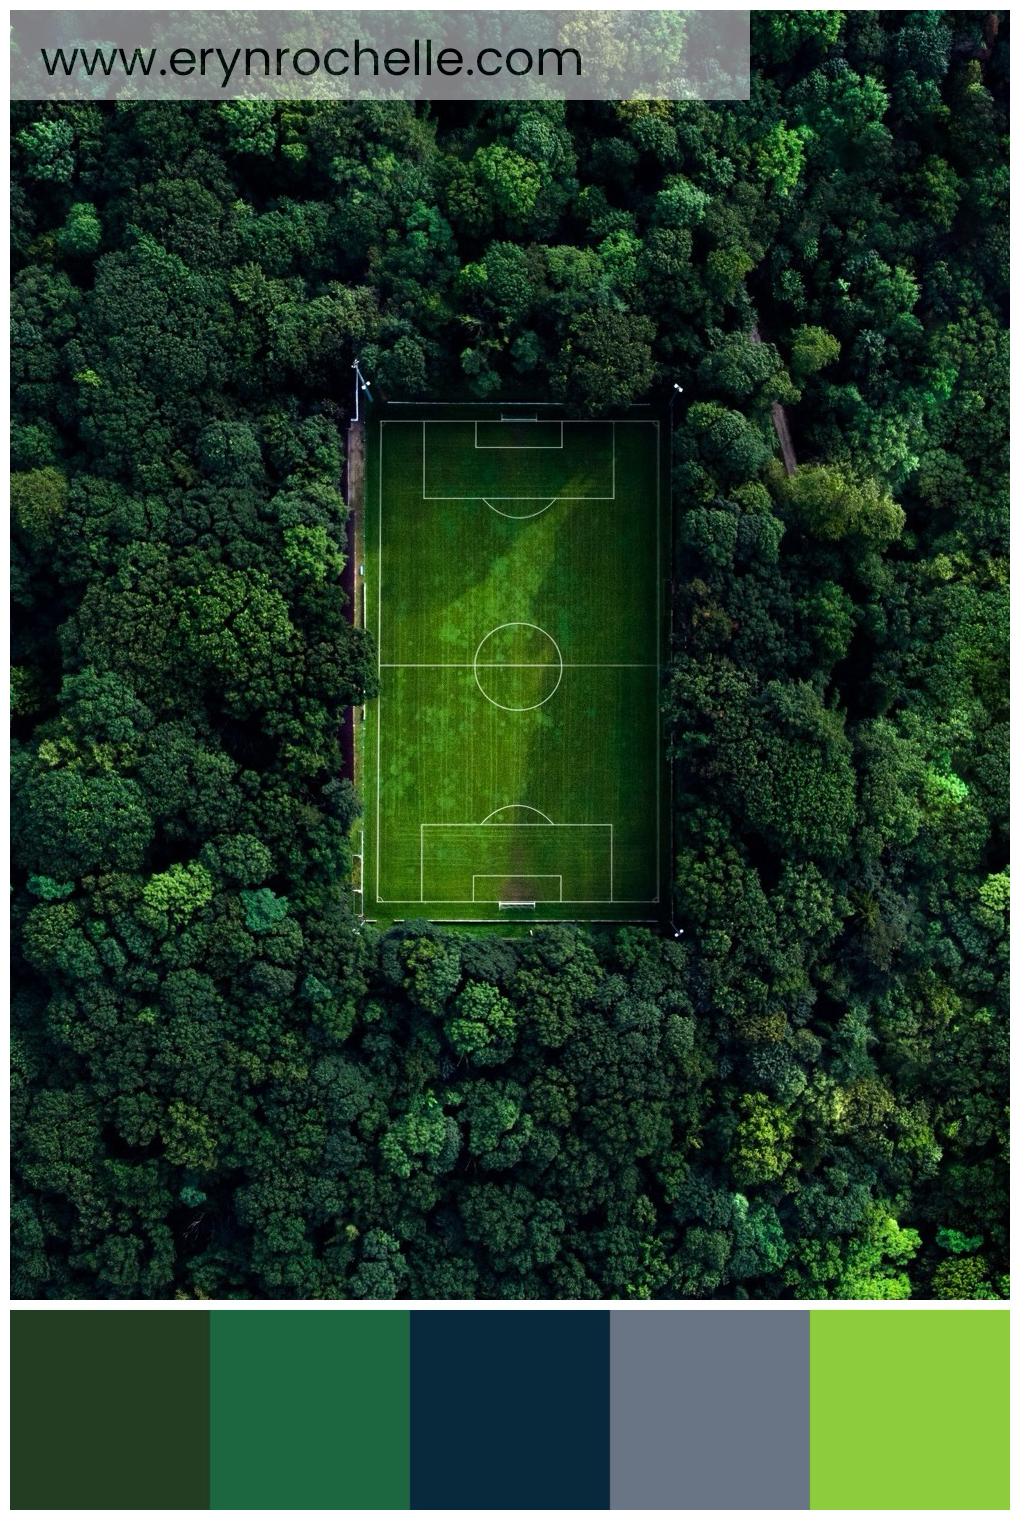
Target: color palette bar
339 1407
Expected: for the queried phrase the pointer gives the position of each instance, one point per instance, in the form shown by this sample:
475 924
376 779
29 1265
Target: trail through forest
780 423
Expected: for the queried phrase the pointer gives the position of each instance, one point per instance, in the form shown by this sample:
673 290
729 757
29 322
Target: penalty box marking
445 421
487 825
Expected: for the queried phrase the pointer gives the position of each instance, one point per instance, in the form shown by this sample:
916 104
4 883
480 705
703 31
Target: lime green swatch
909 1409
310 1409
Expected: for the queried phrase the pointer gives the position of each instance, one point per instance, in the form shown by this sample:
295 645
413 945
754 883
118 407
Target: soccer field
512 763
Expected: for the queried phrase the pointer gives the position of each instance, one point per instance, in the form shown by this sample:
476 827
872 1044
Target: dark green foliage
226 1085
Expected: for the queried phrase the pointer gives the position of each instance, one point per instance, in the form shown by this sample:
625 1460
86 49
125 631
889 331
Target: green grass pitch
512 763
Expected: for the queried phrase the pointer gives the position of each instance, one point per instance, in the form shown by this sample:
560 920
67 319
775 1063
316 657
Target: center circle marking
554 664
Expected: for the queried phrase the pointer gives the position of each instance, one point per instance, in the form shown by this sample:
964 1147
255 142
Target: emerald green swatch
909 1409
310 1409
109 1409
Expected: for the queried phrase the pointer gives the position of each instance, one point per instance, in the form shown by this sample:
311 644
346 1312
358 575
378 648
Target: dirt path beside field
781 423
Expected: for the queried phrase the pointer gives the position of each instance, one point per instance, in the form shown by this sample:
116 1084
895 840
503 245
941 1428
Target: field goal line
440 422
519 447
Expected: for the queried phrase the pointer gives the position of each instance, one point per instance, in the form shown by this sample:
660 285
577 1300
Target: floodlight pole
360 384
678 390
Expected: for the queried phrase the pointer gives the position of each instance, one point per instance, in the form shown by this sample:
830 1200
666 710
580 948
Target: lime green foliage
483 1021
519 652
312 553
177 893
869 1266
812 348
993 901
832 503
780 156
82 233
761 1148
418 1138
965 1277
48 146
251 125
512 181
39 499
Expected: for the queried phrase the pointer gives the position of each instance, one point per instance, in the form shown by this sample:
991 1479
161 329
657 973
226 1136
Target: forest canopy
225 1085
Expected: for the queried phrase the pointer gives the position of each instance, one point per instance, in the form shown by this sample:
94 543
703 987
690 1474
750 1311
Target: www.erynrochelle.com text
421 59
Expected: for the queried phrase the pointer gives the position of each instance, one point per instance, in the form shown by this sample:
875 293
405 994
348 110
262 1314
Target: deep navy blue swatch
510 1410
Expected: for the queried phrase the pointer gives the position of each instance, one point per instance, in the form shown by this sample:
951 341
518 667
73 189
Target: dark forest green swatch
310 1409
109 1409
